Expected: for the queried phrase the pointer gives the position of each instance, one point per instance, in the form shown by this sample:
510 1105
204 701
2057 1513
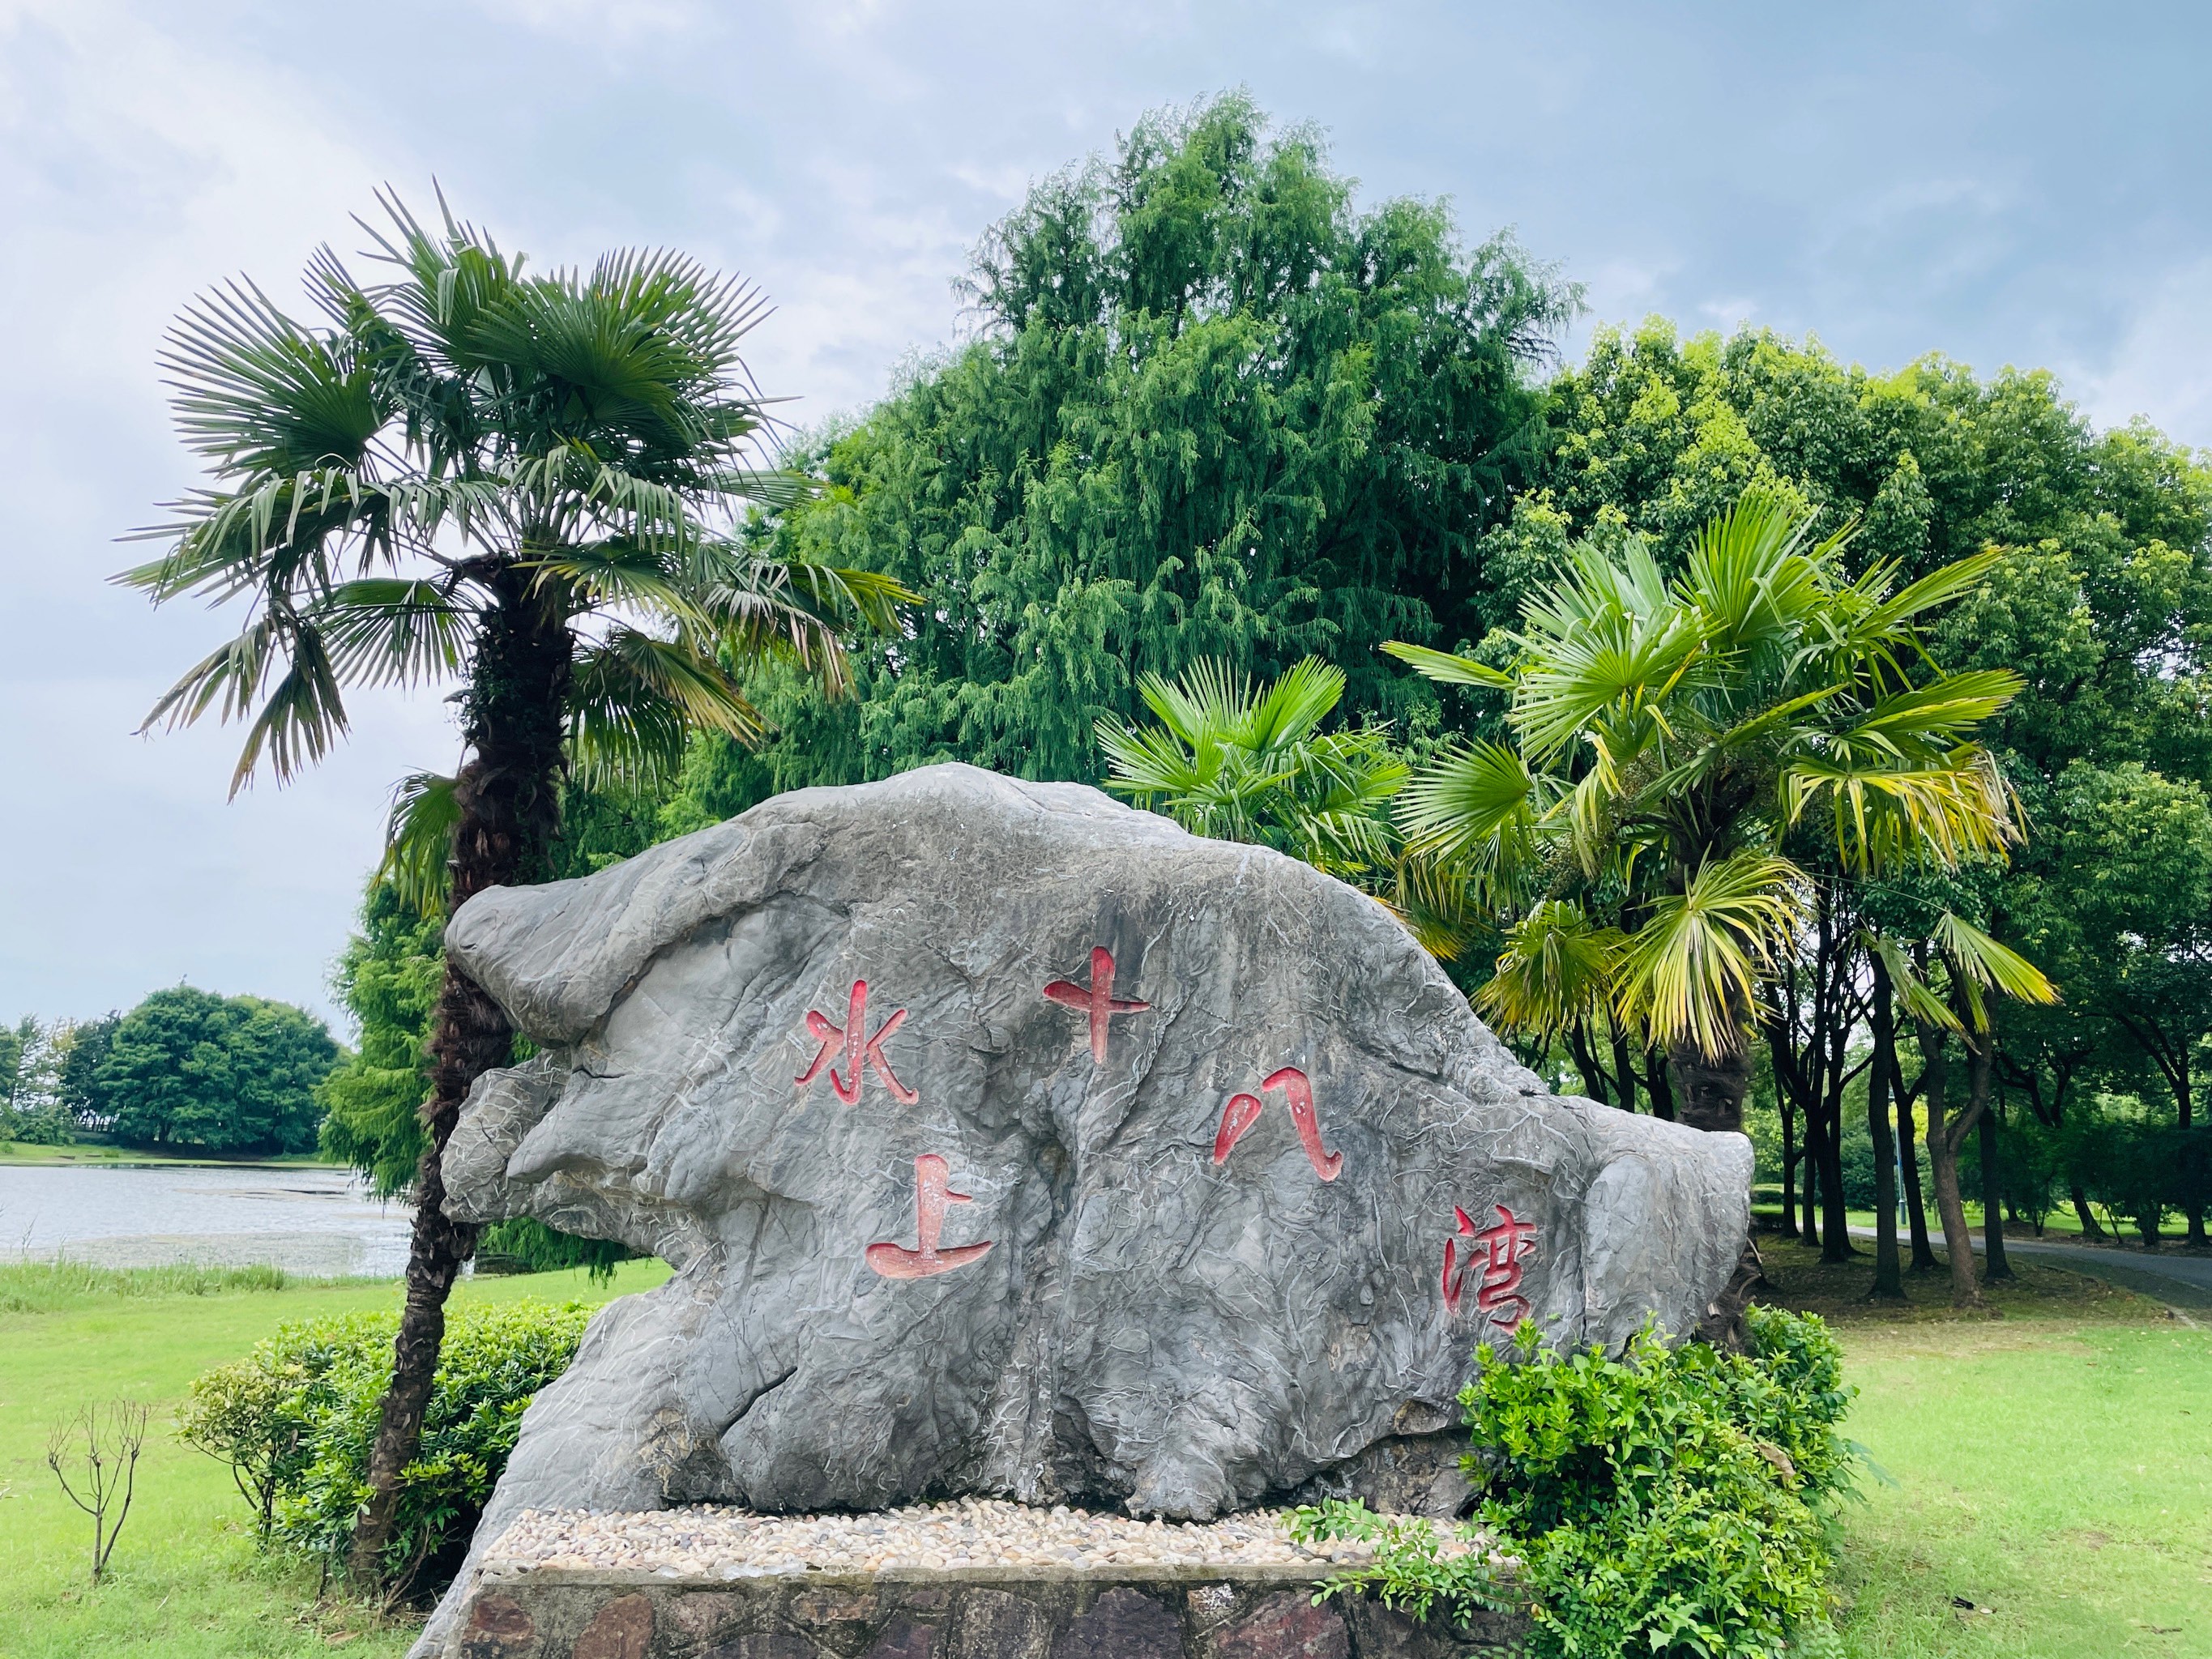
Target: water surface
303 1220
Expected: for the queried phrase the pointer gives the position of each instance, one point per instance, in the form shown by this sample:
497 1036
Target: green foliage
583 434
295 1421
526 1244
48 1083
1213 409
1240 762
1667 1502
389 976
1670 739
188 1068
248 1417
2100 602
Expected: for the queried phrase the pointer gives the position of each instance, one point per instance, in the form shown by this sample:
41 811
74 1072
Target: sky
2018 183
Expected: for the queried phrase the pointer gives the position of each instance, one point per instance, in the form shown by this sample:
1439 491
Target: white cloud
598 22
137 169
2161 366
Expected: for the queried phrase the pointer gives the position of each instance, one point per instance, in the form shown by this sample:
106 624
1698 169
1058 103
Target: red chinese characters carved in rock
1097 1000
1244 1111
1497 1284
932 1192
861 1051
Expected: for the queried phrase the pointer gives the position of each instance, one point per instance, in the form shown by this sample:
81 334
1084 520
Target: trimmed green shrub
1666 1503
296 1418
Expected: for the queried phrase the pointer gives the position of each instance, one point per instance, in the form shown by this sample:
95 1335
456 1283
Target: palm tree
1240 762
1236 761
1670 739
524 484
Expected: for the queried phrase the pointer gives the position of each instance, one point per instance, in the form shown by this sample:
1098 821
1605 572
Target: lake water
303 1220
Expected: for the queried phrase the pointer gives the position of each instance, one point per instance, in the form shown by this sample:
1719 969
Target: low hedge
1667 1502
296 1418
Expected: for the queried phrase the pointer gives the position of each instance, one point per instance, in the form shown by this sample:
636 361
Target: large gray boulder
1006 1139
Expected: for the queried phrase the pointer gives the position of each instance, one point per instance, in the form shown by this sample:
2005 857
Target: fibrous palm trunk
1710 1090
508 793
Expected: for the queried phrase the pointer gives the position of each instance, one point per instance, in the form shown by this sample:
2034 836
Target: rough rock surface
1008 1141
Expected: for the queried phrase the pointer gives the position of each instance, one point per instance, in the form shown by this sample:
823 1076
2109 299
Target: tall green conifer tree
1213 407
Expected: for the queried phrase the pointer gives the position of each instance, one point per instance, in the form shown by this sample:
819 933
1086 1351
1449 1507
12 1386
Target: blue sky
2018 182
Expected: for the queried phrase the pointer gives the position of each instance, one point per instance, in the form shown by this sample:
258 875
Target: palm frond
1293 709
1747 577
1973 953
1558 968
1944 810
1478 808
1936 587
1922 1005
418 842
302 716
633 697
387 631
1448 670
1691 972
256 392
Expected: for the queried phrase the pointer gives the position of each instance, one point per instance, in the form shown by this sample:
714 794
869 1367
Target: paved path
2170 1276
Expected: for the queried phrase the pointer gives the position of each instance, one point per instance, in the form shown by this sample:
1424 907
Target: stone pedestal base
1195 1613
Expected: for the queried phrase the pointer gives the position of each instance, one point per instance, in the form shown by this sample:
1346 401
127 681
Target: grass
2052 1467
43 1287
98 1155
183 1582
2060 1226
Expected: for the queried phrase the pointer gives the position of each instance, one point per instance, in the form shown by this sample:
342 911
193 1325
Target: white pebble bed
973 1534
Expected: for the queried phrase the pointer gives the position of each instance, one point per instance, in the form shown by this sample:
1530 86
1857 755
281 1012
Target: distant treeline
186 1070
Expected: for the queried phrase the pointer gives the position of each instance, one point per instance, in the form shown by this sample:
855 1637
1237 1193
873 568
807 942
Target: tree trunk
1835 1219
1908 1141
1788 1115
1945 1134
1994 1265
2091 1228
1709 1089
1596 1083
1656 1085
2185 1106
1624 1070
1888 1271
508 793
1808 1227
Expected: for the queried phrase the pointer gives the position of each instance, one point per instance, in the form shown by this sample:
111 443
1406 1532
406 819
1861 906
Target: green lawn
183 1582
2053 1466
